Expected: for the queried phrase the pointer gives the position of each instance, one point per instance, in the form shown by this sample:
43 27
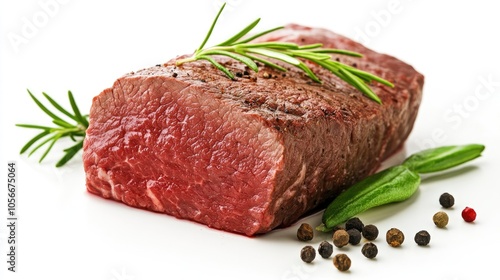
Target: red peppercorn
469 214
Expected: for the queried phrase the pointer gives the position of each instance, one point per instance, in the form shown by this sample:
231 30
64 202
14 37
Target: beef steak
250 155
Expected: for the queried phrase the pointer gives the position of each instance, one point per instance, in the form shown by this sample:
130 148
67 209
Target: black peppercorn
422 238
325 249
340 238
342 262
307 254
370 232
354 236
395 237
354 223
369 250
305 232
446 200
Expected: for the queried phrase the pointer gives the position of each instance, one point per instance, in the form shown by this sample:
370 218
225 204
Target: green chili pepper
394 184
442 158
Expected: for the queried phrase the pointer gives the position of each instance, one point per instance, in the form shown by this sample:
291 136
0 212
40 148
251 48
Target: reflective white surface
66 233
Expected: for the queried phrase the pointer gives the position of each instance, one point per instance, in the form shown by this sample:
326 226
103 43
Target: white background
83 46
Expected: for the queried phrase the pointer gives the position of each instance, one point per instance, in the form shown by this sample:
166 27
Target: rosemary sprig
246 52
63 129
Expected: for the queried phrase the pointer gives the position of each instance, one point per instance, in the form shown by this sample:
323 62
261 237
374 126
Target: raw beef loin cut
249 155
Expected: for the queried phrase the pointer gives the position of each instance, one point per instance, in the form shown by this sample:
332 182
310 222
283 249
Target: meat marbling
250 155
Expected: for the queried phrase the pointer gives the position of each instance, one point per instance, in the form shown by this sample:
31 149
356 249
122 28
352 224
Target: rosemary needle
245 51
49 135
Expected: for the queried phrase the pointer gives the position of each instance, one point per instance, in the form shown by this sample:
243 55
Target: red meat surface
249 155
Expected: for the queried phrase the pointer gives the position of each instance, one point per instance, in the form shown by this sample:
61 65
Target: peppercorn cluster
351 233
447 200
354 230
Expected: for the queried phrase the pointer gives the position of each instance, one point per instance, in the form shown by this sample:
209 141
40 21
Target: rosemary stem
185 60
